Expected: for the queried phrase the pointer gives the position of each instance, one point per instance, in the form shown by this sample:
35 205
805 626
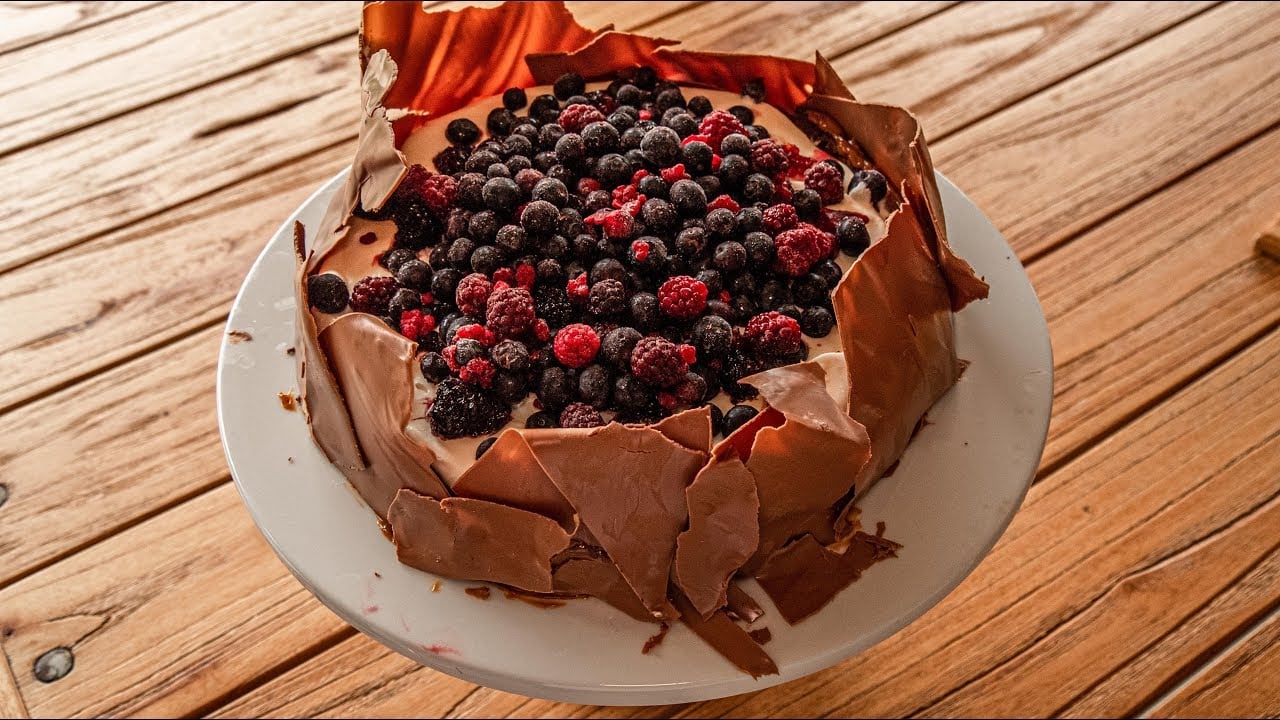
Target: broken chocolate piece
804 576
727 638
508 473
723 532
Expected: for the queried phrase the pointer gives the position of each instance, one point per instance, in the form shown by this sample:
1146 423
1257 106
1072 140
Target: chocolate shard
508 473
377 389
723 532
476 540
627 485
803 466
895 323
690 428
742 606
804 576
588 571
724 635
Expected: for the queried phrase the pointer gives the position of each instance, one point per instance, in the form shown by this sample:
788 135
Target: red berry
780 217
542 331
505 275
769 158
576 117
674 173
577 288
588 185
623 194
689 353
797 163
440 192
427 298
373 294
576 345
618 225
510 313
717 125
824 179
450 355
773 334
668 400
526 275
477 332
477 371
799 248
723 201
696 138
413 324
640 249
580 415
472 294
682 297
657 361
639 175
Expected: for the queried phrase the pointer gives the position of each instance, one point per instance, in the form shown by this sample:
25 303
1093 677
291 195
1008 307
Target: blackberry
511 238
643 307
852 235
817 321
483 227
661 146
696 156
403 301
499 121
600 137
594 384
395 257
809 289
730 256
808 204
555 387
480 160
433 367
416 226
607 298
444 283
456 224
550 191
327 293
500 194
580 415
738 416
471 190
735 144
717 420
699 105
691 241
539 217
743 113
466 350
541 420
461 409
373 294
484 446
712 337
450 161
613 170
688 198
757 188
462 132
875 182
511 387
617 345
830 272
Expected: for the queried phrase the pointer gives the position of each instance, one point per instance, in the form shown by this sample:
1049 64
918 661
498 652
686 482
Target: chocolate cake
597 316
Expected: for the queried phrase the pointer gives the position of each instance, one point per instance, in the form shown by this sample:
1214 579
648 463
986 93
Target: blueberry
688 198
511 238
712 337
808 203
734 169
830 271
549 135
644 310
617 344
757 188
395 257
433 366
568 85
696 157
730 256
712 279
699 105
852 235
514 99
497 170
629 95
600 137
540 106
743 113
683 123
738 416
613 170
691 241
414 274
816 321
658 214
486 259
875 182
328 293
594 384
483 226
517 145
669 98
471 191
542 420
551 191
499 121
760 249
444 283
661 146
539 217
462 132
501 194
774 294
480 160
735 144
460 252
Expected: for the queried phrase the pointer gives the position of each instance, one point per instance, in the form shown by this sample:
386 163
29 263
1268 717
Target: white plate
953 494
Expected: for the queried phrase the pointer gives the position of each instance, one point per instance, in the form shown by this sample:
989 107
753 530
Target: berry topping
510 313
580 415
576 345
477 371
718 125
682 297
541 420
780 217
772 334
373 294
472 294
607 298
433 366
875 183
461 409
327 293
799 248
769 157
413 324
738 416
462 132
484 446
657 361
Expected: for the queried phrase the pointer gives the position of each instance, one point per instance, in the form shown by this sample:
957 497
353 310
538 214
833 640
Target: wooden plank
980 57
1269 242
793 29
11 705
1039 169
81 463
162 617
76 80
1176 655
1241 683
1157 294
27 23
1155 495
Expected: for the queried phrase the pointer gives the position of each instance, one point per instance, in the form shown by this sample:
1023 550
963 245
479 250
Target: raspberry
769 157
640 249
576 345
576 117
717 125
472 294
461 409
689 353
588 185
782 189
542 330
824 179
580 415
798 163
799 248
724 201
526 275
623 194
577 288
477 371
780 217
510 313
607 297
657 361
682 297
674 173
618 225
773 334
439 192
413 324
450 355
477 332
373 294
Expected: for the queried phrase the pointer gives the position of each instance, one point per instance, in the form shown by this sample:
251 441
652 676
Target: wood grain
1241 683
159 616
11 705
1269 242
1038 168
76 80
980 57
26 23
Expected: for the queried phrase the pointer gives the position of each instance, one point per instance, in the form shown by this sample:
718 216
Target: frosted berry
780 217
477 371
510 313
682 297
327 293
462 132
373 294
576 345
718 125
658 362
473 294
817 321
798 249
461 409
580 415
769 157
433 366
852 234
772 334
607 298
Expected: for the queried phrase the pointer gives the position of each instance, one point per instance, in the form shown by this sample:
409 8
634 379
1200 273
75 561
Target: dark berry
395 257
544 161
643 307
692 390
696 157
511 387
683 123
539 217
658 214
373 294
597 200
852 235
327 293
808 204
622 121
658 361
471 190
483 226
540 106
712 337
743 114
553 246
735 144
722 222
738 416
712 279
569 84
444 283
618 344
549 190
461 409
517 145
499 121
630 393
669 98
548 135
691 241
541 420
500 194
607 269
831 273
653 187
730 257
688 198
809 289
450 161
607 298
661 146
433 366
511 238
462 132
465 350
757 188
510 313
722 309
510 355
600 137
484 446
816 321
594 384
717 420
648 254
744 284
699 105
791 310
514 99
480 160
744 306
580 415
552 304
555 387
757 132
876 183
760 250
774 294
613 170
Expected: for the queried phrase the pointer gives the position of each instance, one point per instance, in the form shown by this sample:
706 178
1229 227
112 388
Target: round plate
952 495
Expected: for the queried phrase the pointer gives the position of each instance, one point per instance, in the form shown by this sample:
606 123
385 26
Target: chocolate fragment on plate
723 532
804 576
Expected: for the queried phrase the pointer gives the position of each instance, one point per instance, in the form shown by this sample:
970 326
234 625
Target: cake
598 316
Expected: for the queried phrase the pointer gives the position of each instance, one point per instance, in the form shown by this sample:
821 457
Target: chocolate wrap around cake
656 520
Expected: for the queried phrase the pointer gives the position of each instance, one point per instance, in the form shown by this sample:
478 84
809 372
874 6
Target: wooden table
1129 152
